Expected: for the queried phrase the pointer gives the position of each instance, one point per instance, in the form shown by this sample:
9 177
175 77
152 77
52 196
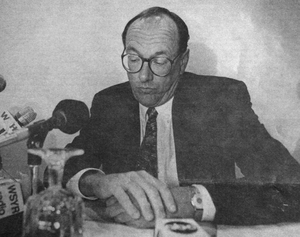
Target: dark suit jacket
214 130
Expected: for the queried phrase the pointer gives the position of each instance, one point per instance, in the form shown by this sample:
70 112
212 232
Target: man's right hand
182 197
152 195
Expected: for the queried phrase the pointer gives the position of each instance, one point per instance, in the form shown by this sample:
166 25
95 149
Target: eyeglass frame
148 60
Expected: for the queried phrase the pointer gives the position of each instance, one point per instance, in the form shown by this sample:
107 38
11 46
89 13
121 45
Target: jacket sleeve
90 140
243 203
261 157
270 191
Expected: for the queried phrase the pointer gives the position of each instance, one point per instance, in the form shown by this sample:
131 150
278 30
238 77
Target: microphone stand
35 140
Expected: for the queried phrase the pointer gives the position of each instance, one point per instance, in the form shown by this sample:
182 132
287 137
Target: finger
114 210
153 196
163 190
140 223
75 152
126 203
123 218
37 151
139 195
111 201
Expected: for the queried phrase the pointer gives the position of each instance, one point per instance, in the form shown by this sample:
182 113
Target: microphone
69 116
2 83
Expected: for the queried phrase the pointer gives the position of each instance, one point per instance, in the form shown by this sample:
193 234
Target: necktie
148 149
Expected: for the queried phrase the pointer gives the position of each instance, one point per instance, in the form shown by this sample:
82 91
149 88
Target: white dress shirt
166 157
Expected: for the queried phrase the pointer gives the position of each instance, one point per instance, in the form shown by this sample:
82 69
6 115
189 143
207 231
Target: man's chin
148 104
147 100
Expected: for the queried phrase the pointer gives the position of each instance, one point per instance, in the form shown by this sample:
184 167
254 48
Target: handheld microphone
69 116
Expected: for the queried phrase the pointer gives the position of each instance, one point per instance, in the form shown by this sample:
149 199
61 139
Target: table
99 229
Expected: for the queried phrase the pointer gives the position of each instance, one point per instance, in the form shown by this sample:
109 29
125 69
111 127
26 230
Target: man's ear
184 61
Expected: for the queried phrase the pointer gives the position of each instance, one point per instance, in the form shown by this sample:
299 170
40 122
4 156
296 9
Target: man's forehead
154 30
154 23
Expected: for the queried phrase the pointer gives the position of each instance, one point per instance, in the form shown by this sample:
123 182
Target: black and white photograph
149 118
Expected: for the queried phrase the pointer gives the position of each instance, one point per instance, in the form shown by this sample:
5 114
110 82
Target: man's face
156 36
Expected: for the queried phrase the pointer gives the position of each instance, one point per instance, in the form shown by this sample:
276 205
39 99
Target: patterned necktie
148 149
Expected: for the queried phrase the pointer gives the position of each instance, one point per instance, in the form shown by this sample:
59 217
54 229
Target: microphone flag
7 123
11 198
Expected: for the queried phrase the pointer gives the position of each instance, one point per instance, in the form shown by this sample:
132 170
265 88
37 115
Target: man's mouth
146 90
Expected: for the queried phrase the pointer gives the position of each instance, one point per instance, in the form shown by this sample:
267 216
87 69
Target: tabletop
99 229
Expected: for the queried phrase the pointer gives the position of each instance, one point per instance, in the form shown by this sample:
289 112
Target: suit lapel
123 152
188 111
134 125
181 132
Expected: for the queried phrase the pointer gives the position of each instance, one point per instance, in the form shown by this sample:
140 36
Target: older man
168 142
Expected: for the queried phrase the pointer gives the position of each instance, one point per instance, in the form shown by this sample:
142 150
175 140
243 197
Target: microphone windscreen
76 114
2 83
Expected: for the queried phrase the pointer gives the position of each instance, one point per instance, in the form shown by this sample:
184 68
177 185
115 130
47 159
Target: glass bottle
55 211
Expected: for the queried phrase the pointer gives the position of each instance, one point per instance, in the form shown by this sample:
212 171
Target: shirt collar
162 110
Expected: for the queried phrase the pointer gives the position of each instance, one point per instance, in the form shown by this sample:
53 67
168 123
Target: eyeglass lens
160 66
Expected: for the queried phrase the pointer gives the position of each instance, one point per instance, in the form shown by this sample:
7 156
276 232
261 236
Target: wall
59 49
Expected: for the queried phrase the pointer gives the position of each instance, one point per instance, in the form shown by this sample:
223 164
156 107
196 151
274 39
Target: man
203 126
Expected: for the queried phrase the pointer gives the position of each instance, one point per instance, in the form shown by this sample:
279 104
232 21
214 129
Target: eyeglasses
159 66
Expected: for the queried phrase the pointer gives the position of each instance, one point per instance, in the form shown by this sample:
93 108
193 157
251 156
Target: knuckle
142 172
124 179
132 174
123 176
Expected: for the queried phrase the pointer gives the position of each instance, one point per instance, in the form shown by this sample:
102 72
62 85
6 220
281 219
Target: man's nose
145 74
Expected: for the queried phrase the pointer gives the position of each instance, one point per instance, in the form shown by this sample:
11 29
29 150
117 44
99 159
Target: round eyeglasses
159 66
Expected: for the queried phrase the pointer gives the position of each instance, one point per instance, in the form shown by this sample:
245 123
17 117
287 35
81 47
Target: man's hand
151 194
96 210
182 196
115 211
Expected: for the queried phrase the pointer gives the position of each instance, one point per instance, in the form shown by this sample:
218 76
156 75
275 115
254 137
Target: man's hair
182 28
